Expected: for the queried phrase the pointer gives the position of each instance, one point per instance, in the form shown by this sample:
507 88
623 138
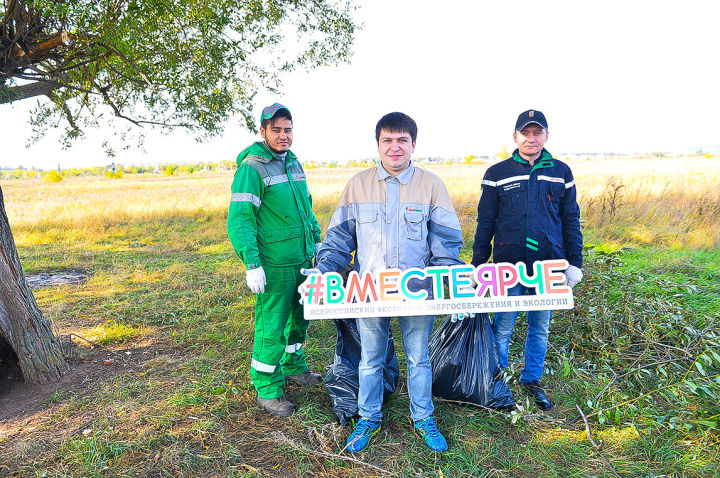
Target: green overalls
271 224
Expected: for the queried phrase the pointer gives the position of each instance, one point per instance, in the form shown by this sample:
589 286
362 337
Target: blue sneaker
361 435
427 429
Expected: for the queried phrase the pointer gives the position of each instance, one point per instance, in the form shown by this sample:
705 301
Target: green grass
646 314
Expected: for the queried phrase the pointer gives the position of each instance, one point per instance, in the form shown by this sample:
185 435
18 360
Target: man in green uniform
273 230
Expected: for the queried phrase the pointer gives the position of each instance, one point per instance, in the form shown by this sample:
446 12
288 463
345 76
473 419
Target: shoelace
361 429
428 425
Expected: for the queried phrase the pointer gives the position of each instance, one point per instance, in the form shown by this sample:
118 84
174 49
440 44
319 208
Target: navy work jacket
529 212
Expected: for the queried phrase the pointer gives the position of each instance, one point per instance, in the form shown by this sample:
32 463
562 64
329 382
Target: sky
614 76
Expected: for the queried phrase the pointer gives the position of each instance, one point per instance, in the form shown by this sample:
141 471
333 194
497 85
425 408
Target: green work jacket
270 220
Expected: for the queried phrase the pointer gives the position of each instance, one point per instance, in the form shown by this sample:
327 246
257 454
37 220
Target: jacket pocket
279 235
514 196
368 226
507 245
508 237
281 246
555 246
557 189
555 192
366 216
414 223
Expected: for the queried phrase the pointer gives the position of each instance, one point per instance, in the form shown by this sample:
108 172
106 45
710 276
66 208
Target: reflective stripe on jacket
529 212
270 219
402 222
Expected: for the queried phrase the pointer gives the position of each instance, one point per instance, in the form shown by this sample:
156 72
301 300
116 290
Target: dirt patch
56 278
22 406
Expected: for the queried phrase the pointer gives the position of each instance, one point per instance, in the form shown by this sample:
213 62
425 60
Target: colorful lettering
507 277
486 277
438 273
388 290
536 280
315 289
458 279
360 293
335 293
409 273
554 279
386 285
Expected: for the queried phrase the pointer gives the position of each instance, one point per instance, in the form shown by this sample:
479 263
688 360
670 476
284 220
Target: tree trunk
9 94
22 325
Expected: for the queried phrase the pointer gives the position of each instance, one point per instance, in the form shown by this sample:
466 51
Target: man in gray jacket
393 216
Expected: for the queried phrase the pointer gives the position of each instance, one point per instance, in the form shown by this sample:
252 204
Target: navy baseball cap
269 111
528 117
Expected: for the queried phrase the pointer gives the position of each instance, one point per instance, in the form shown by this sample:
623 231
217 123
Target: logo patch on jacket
408 208
511 186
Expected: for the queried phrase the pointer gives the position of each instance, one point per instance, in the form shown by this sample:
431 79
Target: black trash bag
465 364
341 379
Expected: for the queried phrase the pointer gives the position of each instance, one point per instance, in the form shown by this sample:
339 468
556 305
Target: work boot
536 391
280 406
305 378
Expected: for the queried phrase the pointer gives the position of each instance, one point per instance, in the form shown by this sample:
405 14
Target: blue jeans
374 341
535 343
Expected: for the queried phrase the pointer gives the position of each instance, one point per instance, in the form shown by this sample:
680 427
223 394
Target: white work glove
317 247
573 275
461 316
256 280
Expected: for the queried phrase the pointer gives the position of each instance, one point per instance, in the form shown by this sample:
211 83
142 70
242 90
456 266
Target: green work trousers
280 331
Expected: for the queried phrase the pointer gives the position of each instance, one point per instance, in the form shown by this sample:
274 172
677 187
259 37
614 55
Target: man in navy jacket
528 209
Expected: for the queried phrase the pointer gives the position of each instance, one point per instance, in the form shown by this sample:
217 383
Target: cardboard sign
436 290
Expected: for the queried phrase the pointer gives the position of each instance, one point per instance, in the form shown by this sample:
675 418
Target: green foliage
169 63
122 170
113 332
169 171
53 176
116 175
503 153
648 340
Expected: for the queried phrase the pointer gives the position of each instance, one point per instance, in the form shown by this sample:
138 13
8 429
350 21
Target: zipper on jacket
303 214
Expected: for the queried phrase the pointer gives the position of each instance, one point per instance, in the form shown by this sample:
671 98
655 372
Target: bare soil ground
51 279
23 407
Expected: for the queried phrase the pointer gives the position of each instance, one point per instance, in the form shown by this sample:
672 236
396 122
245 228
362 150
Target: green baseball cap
269 111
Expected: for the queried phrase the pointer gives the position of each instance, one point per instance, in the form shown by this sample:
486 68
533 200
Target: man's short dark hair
281 113
396 123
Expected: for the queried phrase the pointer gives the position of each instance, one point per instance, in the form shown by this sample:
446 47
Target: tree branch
22 92
595 445
69 116
39 52
114 107
129 62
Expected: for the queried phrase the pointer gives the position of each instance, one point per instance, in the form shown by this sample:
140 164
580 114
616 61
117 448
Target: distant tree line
171 169
115 172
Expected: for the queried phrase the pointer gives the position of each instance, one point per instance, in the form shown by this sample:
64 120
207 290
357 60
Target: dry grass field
665 201
640 354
